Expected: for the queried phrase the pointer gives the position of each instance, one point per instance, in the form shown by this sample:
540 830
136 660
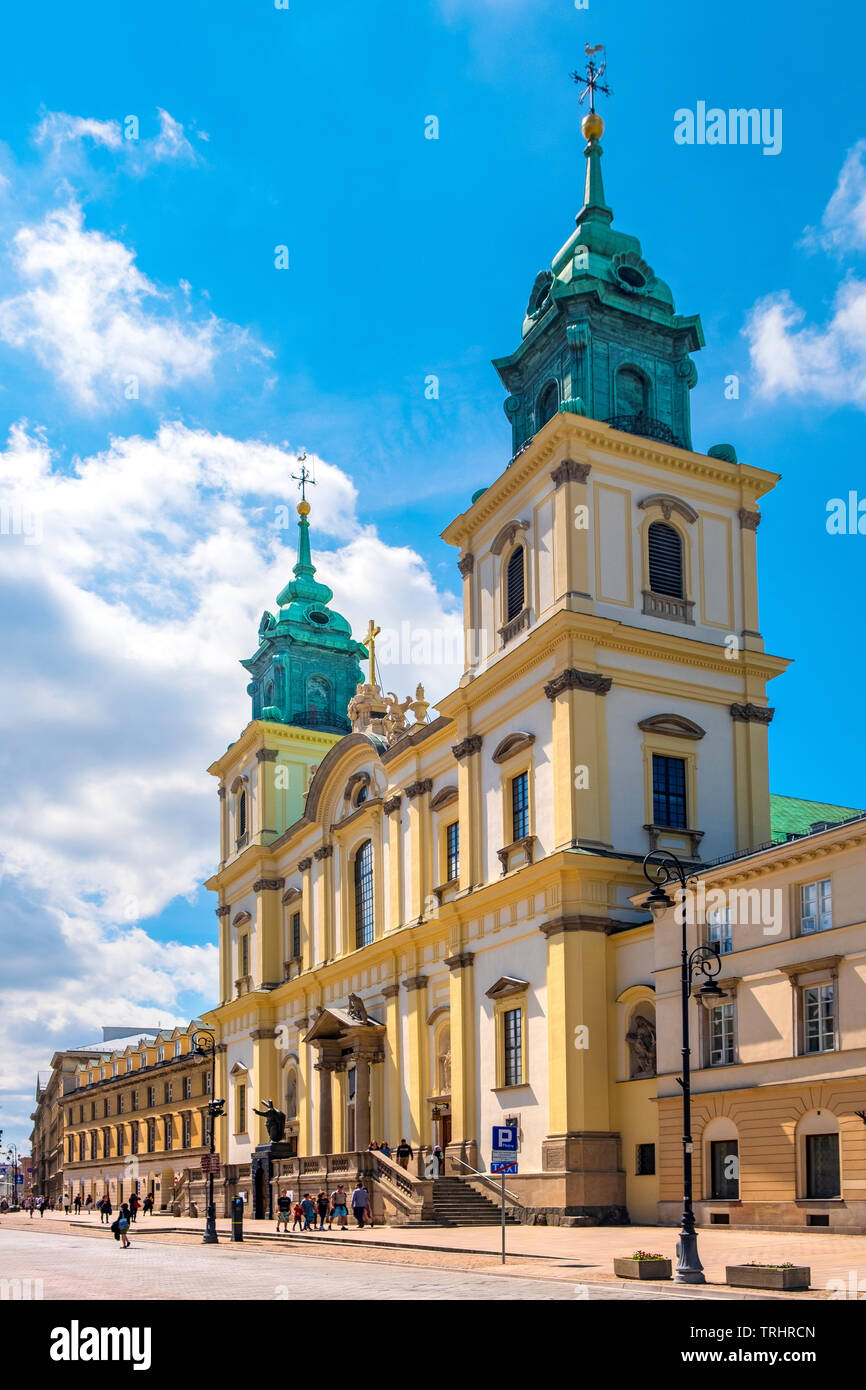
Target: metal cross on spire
304 477
593 75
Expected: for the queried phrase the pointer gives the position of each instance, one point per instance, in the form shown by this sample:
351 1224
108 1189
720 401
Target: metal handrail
485 1177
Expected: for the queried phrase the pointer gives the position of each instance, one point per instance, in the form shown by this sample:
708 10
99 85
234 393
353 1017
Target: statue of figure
356 1009
292 1096
445 1073
395 719
275 1121
641 1038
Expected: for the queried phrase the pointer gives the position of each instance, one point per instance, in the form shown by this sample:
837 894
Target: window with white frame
719 930
819 1017
816 906
721 1032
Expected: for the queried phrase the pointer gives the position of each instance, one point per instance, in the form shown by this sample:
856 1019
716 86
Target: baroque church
431 922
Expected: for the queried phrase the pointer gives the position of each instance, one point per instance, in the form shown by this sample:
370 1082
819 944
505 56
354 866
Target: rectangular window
719 930
722 1035
129 1064
177 1047
669 792
241 1110
819 1018
245 955
120 1129
134 1100
452 852
187 1131
144 1059
106 1106
151 1136
295 945
169 1137
114 1069
519 806
822 1165
816 906
724 1170
160 1054
121 1105
133 1138
169 1093
364 911
187 1088
151 1096
512 1024
93 1110
645 1162
207 1087
205 1127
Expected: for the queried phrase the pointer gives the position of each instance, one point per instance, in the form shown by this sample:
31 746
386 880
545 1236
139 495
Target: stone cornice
810 967
572 679
269 885
570 471
751 714
467 747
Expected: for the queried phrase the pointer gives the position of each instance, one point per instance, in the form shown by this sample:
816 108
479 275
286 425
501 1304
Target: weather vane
304 477
593 75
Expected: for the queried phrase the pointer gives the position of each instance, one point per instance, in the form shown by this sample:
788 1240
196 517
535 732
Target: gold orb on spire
303 509
592 126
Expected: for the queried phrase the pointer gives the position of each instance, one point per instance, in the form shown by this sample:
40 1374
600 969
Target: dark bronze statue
275 1121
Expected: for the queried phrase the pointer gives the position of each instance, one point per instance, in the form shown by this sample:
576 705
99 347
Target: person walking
438 1161
308 1207
123 1224
76 1205
106 1210
40 1202
385 1148
340 1206
359 1204
323 1207
404 1153
88 1204
134 1204
284 1211
298 1214
147 1208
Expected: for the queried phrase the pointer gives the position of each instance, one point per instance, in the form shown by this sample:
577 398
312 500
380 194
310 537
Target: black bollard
237 1218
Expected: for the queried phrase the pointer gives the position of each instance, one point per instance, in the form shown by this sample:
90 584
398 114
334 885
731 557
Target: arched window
242 814
364 894
318 696
515 591
632 392
665 549
547 404
269 695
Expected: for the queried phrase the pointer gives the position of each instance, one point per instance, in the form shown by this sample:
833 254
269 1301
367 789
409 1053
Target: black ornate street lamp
204 1044
660 868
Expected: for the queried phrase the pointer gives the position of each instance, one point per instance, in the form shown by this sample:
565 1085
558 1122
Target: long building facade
431 924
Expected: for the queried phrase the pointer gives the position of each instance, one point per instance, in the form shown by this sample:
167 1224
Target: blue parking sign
505 1138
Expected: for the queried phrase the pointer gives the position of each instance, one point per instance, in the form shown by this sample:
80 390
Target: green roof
791 815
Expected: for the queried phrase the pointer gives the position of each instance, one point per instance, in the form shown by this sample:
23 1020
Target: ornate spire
594 209
304 586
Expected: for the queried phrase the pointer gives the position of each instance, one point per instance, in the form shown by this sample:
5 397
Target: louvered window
665 560
514 585
548 404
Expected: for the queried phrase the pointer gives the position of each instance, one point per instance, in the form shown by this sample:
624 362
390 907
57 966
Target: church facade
432 923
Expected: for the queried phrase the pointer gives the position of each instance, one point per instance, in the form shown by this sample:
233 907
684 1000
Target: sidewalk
588 1252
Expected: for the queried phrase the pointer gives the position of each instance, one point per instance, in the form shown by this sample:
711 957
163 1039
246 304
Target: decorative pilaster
464 1100
416 985
266 795
419 833
393 1106
581 807
269 954
751 771
571 535
469 809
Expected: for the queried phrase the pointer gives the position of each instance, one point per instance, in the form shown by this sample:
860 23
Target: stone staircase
455 1203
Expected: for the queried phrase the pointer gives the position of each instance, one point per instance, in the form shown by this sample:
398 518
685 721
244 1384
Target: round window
316 616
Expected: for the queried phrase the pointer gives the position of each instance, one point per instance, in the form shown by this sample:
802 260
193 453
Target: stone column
417 987
326 1109
393 1115
362 1101
464 1110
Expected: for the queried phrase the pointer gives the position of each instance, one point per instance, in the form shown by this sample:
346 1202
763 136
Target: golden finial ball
303 509
592 126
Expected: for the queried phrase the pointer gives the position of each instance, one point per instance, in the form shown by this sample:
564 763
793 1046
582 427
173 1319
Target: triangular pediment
505 985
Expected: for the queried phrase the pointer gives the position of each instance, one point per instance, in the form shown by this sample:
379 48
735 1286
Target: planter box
641 1269
758 1277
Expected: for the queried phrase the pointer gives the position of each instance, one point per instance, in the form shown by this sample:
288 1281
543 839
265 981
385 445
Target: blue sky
124 617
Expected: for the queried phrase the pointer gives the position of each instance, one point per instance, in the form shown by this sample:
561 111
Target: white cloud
122 630
92 317
843 225
171 143
57 129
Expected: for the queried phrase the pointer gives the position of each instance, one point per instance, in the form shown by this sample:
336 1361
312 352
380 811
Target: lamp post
205 1045
660 868
12 1152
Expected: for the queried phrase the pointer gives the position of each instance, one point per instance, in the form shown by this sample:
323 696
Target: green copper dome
601 336
306 669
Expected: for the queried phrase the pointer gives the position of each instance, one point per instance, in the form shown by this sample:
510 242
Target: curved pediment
511 744
674 725
507 535
443 798
240 918
668 504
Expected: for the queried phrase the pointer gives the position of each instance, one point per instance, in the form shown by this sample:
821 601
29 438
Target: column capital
466 563
415 982
749 521
459 960
572 679
570 471
390 990
752 714
269 885
467 747
266 755
222 911
419 788
392 805
304 864
323 852
576 922
258 1033
221 793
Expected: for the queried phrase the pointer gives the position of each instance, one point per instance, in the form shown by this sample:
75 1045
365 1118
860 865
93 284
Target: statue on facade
275 1121
357 1009
641 1038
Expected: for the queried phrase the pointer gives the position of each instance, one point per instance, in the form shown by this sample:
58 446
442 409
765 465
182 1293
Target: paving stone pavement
63 1264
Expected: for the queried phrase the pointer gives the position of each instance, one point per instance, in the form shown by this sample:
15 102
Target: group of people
402 1153
311 1213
